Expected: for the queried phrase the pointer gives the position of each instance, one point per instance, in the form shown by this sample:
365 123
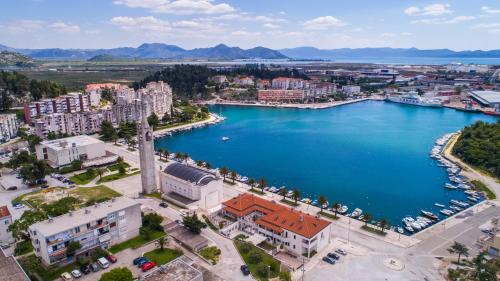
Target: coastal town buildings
5 222
351 90
74 123
192 187
9 126
467 68
61 152
219 79
100 225
243 81
280 95
286 83
72 102
487 98
178 270
298 232
493 246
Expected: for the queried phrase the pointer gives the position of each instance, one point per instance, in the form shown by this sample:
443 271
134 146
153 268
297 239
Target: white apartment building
61 152
159 97
192 187
351 90
298 232
467 68
9 125
101 225
243 81
320 89
72 123
72 102
286 83
5 222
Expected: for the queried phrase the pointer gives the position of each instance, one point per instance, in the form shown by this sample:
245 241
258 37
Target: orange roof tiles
4 211
277 217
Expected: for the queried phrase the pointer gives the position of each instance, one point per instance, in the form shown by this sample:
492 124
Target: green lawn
83 178
266 260
117 176
23 248
154 195
135 242
482 187
98 193
116 167
230 182
256 191
210 253
329 215
373 230
289 202
163 256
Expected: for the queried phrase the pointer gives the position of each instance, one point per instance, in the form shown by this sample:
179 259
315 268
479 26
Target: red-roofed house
5 221
299 232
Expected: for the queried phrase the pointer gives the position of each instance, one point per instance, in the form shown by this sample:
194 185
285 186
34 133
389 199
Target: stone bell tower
146 151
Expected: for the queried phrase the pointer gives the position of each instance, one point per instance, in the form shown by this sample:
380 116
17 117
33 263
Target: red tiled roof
277 217
4 211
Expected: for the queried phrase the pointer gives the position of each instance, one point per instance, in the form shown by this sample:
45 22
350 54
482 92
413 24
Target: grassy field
163 256
266 260
482 187
328 215
83 178
116 167
211 253
117 176
373 230
97 193
135 242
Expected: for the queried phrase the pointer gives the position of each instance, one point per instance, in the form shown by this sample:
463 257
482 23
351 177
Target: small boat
356 213
225 138
439 205
429 215
473 199
409 228
400 230
463 186
314 202
470 192
343 209
416 226
450 186
361 217
446 212
459 203
455 208
307 200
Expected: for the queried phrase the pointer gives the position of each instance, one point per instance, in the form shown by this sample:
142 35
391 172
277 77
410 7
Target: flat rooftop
176 270
10 270
82 216
80 140
487 97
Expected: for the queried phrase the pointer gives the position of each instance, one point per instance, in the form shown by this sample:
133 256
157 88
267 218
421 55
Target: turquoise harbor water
371 155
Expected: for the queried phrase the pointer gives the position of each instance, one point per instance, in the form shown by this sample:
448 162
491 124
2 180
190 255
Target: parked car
12 188
341 251
94 267
333 256
18 206
328 260
147 266
85 269
44 186
244 269
76 273
66 276
163 204
103 262
137 260
142 262
112 258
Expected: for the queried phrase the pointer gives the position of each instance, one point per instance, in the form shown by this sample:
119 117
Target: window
294 246
113 224
294 236
6 222
77 229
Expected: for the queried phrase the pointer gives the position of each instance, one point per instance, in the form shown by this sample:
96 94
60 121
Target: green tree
19 228
117 274
251 183
459 249
161 242
322 201
193 223
72 248
20 158
254 257
262 184
233 175
295 195
383 223
108 132
100 172
153 121
160 152
224 171
152 221
208 166
32 172
336 206
199 163
283 192
367 218
121 170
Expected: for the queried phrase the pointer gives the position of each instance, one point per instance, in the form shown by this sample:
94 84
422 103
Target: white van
103 262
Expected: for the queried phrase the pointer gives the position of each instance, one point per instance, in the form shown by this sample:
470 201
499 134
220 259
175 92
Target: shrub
245 248
285 276
262 270
254 257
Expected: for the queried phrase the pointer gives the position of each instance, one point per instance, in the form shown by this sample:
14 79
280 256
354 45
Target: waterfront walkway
212 118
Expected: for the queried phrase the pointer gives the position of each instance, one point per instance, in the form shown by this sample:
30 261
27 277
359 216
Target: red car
147 266
112 258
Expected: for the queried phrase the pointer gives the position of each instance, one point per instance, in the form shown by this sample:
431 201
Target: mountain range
151 51
224 52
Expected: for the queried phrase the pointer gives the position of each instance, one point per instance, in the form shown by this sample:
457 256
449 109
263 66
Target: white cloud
406 33
388 34
244 33
490 10
245 17
149 23
64 27
460 19
179 7
271 26
441 20
429 10
23 26
411 10
322 23
486 25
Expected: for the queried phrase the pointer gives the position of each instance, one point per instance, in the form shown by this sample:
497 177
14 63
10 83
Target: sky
277 24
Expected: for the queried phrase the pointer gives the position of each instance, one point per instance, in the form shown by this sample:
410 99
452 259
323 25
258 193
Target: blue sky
326 24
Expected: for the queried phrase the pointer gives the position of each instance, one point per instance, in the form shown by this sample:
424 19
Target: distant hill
8 58
105 58
152 51
315 53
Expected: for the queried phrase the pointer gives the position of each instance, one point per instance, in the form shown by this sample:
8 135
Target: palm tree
208 166
262 184
383 224
160 152
336 206
224 171
100 172
161 242
321 201
283 193
1 168
166 153
199 163
233 175
367 218
178 155
459 249
185 157
251 183
295 195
